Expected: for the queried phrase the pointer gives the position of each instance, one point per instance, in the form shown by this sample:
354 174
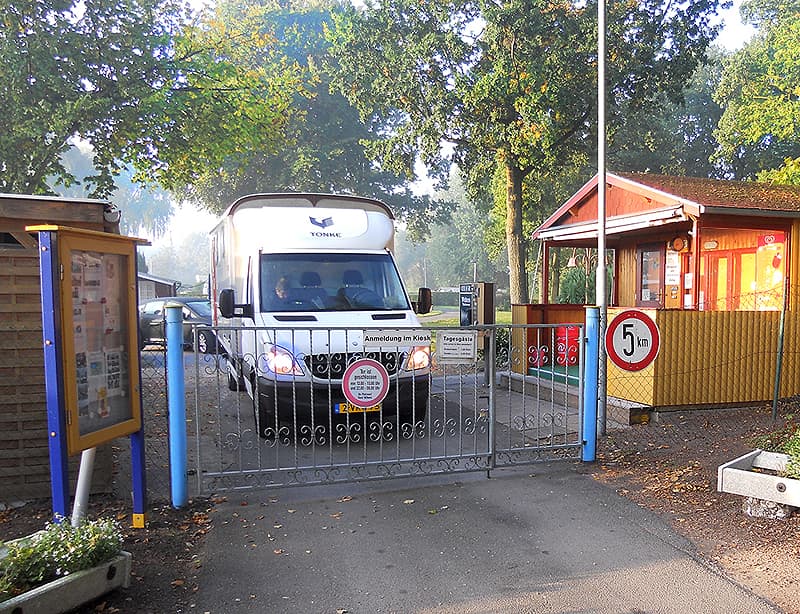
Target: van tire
234 376
264 419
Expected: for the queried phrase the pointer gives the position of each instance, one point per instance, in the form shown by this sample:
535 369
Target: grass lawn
443 316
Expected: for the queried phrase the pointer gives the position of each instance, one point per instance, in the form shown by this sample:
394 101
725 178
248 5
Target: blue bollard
176 404
590 392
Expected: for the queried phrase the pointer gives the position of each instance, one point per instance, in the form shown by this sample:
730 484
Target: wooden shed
712 261
24 455
152 286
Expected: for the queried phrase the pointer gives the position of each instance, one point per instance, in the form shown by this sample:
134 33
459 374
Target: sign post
632 340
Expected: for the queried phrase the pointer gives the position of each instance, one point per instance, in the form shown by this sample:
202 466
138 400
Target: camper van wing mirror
227 303
228 307
424 301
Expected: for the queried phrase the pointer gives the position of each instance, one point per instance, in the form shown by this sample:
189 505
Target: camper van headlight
419 358
280 361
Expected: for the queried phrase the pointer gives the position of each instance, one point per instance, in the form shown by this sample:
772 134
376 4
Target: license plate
349 408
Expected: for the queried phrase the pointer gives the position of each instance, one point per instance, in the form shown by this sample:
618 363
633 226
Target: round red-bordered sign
365 383
632 340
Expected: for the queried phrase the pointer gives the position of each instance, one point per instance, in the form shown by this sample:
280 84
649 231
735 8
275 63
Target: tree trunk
515 242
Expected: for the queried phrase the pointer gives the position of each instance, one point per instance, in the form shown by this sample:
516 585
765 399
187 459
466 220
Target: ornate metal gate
517 400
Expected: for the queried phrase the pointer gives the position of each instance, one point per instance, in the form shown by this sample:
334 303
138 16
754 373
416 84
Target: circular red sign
632 340
365 383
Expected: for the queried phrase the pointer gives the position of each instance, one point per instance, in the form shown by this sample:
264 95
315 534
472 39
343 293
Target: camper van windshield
330 282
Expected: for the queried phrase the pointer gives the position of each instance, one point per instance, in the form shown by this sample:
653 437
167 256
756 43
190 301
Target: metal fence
470 413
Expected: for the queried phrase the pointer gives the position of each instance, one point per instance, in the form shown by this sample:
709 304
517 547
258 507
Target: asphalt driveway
542 538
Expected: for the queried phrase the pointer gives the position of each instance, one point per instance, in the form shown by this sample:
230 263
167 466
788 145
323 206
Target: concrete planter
72 591
755 475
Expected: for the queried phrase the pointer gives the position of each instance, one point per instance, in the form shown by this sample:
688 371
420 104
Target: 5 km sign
632 340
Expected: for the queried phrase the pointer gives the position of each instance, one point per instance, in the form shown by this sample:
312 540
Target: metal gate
517 399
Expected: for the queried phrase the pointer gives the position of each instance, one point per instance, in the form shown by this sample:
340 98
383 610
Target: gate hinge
61 272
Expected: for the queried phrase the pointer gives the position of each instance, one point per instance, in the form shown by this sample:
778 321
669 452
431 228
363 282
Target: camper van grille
333 366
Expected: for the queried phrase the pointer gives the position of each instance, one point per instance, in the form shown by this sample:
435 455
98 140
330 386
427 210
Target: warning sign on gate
365 383
632 340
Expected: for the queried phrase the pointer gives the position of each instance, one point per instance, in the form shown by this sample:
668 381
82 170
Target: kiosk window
650 286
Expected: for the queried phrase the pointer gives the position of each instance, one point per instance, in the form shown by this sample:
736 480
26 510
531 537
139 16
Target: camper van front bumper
300 399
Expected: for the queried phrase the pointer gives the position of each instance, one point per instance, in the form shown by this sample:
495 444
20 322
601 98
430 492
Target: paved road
540 539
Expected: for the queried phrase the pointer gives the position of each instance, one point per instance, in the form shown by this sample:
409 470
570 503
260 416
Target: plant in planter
792 450
769 477
62 557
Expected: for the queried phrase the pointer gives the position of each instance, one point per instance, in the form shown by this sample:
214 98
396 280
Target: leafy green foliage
675 138
57 551
785 440
576 287
509 84
144 208
759 90
792 448
142 81
322 148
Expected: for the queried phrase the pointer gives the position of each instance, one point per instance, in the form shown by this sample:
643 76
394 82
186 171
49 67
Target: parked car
196 310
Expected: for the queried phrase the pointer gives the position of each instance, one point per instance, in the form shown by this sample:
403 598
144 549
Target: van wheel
235 383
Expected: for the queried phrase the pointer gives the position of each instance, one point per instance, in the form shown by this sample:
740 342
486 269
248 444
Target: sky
188 219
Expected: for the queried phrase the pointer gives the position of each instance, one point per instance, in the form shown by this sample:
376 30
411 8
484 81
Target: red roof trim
696 195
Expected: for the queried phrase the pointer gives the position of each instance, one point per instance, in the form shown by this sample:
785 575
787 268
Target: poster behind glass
99 318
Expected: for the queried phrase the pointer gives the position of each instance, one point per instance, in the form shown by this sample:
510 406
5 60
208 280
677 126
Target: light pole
600 288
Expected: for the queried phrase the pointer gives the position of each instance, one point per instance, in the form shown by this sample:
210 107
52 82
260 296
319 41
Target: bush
56 551
792 448
785 440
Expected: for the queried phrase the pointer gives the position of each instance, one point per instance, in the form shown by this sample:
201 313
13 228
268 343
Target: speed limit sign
632 340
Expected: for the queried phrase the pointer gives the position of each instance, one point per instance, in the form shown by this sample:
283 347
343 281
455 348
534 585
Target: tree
759 133
676 138
509 84
186 261
322 149
142 81
145 209
458 246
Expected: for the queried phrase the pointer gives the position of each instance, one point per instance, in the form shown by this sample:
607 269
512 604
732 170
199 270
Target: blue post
54 380
176 404
138 481
590 392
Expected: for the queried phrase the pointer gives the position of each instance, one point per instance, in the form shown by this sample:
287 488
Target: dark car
196 310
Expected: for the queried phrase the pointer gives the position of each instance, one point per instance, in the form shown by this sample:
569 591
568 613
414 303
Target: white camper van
304 275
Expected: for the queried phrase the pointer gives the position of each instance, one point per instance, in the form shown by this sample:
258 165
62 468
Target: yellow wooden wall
713 357
794 267
626 275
